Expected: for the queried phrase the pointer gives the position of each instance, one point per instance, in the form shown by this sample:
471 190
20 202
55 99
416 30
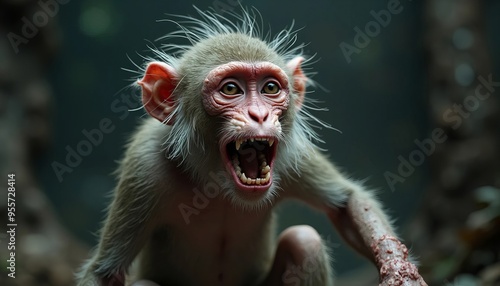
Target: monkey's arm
125 230
359 218
130 218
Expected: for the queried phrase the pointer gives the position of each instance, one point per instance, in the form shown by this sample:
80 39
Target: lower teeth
257 181
265 171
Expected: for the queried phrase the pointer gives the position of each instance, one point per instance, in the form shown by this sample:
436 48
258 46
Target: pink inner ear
299 79
164 88
158 84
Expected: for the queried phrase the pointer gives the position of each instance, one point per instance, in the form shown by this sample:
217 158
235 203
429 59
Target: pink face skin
251 96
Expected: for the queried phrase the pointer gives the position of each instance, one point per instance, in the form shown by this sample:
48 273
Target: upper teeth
241 141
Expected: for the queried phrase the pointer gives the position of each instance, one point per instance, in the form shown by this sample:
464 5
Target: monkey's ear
158 83
299 79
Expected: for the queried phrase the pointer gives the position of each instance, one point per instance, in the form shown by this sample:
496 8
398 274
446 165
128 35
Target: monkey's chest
220 245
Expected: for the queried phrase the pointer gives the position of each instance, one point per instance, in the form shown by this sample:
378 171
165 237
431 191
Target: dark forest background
396 89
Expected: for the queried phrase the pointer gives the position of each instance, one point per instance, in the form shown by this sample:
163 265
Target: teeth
257 181
265 170
265 175
241 141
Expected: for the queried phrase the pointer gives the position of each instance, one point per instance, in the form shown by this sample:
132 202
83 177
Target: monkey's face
250 97
249 110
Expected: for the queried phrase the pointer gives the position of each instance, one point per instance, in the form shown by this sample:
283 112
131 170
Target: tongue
248 162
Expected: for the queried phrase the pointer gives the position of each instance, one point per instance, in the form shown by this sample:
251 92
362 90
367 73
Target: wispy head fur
211 24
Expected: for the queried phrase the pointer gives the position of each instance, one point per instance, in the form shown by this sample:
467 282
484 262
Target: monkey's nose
258 114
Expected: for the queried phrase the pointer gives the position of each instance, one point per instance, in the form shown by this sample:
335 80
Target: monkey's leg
301 259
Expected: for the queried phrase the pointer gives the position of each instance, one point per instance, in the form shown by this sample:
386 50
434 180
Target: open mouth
250 161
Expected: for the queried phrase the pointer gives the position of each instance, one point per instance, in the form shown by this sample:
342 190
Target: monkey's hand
400 272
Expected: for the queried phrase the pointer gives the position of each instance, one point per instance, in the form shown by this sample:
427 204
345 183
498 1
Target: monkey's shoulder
144 155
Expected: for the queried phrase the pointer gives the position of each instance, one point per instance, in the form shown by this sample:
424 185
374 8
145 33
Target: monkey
228 138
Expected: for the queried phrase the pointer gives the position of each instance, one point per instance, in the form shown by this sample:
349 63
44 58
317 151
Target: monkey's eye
271 88
230 89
